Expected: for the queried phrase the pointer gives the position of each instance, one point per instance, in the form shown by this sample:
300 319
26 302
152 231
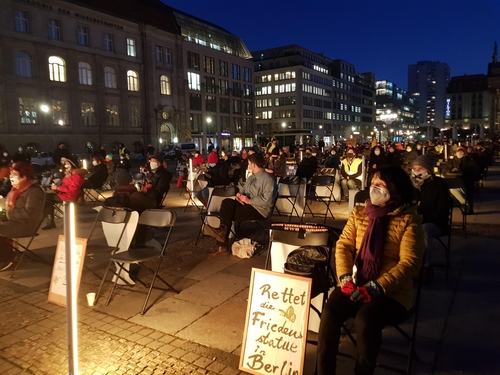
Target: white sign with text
275 335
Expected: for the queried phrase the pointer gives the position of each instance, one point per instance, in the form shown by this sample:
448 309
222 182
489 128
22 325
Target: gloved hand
365 293
348 288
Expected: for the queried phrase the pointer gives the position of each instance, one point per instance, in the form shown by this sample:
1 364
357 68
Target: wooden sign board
57 290
274 341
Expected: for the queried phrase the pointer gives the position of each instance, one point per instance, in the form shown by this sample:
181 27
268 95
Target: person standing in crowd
102 151
254 202
378 254
124 163
5 159
434 204
70 190
409 157
271 145
394 157
124 151
21 155
158 179
60 152
321 145
351 171
378 159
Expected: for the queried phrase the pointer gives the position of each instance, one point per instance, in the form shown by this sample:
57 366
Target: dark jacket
278 165
219 175
58 154
26 216
333 161
434 202
307 167
98 176
160 183
395 159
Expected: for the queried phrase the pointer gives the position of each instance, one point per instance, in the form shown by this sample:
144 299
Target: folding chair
289 190
286 237
321 190
22 250
157 218
457 191
212 212
94 195
413 313
111 215
447 245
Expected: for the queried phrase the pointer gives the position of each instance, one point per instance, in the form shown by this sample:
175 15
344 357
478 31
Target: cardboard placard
274 341
57 290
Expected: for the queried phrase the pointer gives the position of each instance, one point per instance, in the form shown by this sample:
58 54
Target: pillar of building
454 131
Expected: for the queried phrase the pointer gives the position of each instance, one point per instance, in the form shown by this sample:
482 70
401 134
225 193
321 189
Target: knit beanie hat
213 158
425 161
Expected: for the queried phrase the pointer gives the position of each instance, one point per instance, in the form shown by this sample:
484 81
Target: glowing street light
283 124
44 108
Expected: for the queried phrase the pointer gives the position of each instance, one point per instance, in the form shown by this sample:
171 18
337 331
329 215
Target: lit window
194 81
22 25
110 78
164 85
27 111
88 114
60 112
113 115
83 36
131 48
57 69
54 29
24 65
108 42
132 80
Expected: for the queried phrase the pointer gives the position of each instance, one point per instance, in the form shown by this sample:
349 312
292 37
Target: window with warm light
60 112
132 80
84 73
88 114
57 69
113 115
194 81
24 65
164 85
110 78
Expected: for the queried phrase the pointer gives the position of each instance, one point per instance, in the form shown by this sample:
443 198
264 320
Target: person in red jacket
70 190
198 159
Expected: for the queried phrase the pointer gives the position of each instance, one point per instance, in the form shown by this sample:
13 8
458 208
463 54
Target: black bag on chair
312 262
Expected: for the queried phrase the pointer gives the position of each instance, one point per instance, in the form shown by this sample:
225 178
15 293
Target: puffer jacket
403 252
71 187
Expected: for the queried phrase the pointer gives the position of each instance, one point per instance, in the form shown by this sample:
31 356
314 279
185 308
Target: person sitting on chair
216 175
70 190
158 179
351 171
378 254
24 210
254 202
434 204
308 166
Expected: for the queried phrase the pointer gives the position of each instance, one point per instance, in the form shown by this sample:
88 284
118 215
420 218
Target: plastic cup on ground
91 299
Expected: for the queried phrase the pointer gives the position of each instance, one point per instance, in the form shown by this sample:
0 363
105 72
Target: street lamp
44 108
209 121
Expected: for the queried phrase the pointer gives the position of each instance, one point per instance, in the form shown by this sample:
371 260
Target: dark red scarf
15 192
371 252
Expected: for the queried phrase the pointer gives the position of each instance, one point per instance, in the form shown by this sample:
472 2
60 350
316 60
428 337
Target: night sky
381 36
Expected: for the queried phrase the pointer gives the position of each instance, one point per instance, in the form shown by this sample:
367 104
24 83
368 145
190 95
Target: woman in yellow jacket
378 254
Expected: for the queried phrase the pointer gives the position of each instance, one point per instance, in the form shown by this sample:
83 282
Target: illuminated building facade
428 80
301 96
397 113
91 72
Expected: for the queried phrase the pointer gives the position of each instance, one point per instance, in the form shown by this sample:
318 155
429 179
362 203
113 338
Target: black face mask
350 156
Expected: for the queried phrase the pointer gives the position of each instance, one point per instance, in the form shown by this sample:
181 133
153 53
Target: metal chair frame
289 181
156 218
320 181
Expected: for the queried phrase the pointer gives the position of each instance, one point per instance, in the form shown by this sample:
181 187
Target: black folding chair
219 193
457 188
288 190
361 197
413 313
111 215
447 245
286 237
156 218
320 190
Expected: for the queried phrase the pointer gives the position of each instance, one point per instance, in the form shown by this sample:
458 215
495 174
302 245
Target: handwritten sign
57 290
274 340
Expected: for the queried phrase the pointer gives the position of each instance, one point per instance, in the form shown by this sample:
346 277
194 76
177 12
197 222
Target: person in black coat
60 152
394 157
333 160
434 203
409 156
21 155
308 166
378 159
158 179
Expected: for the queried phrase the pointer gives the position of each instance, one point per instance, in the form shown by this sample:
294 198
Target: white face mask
14 180
417 179
213 164
408 150
459 155
377 152
20 149
391 150
379 195
94 163
153 165
67 167
5 154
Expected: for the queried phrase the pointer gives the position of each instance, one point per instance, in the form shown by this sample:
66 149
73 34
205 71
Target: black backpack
312 262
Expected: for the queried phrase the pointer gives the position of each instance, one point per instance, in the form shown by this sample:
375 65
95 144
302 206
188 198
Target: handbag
311 262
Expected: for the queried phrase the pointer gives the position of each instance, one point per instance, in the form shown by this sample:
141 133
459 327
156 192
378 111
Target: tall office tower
301 96
428 80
